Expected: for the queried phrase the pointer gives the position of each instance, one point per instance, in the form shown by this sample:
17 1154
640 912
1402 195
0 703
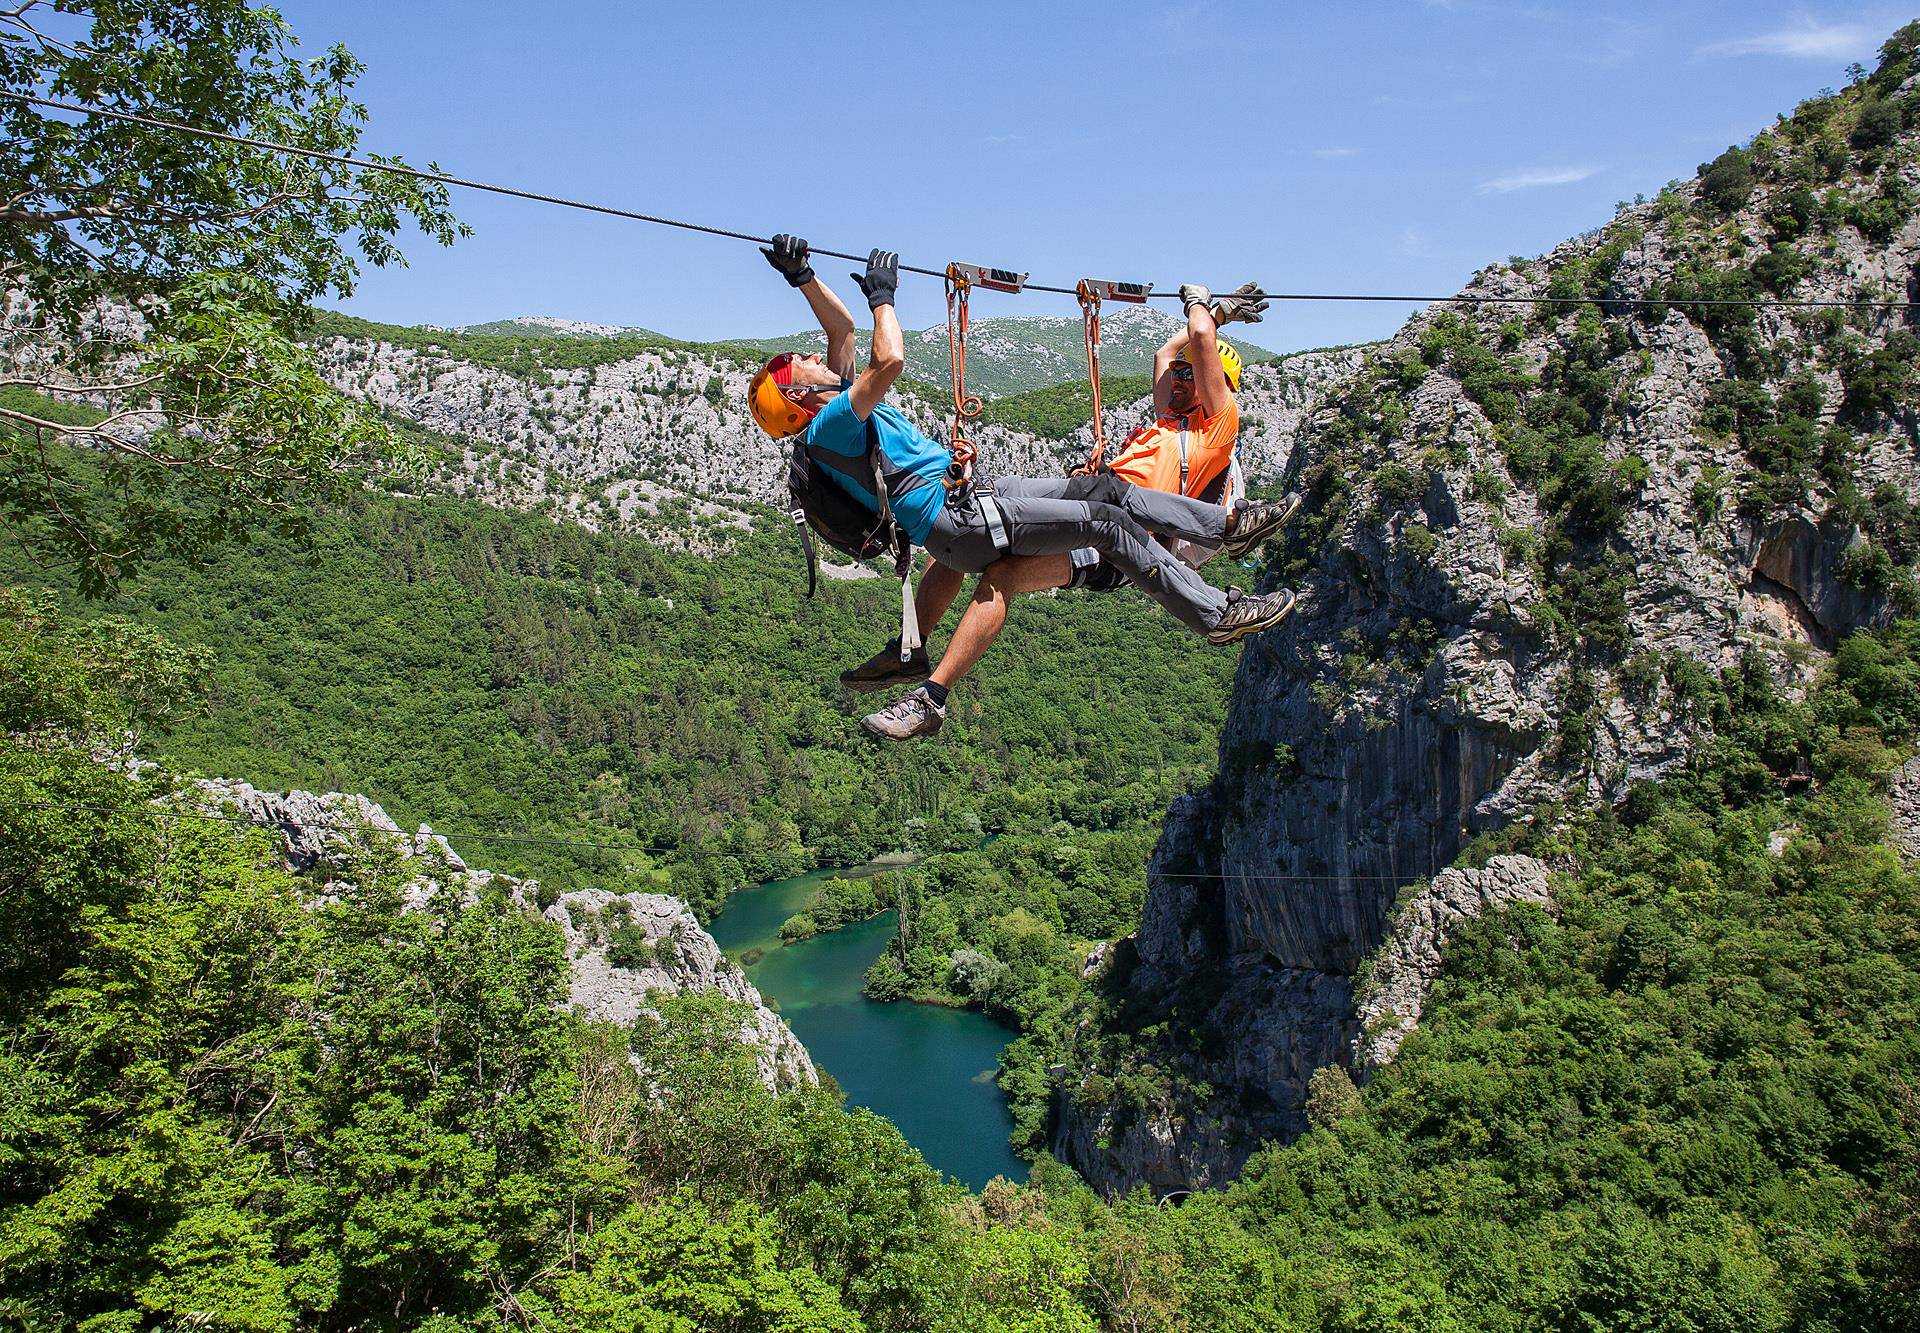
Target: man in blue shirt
968 529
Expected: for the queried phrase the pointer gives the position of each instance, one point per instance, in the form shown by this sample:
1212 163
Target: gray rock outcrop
661 948
1389 1003
1903 799
663 951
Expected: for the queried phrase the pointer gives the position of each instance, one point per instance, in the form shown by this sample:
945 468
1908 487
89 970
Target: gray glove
1246 304
882 278
788 254
1193 294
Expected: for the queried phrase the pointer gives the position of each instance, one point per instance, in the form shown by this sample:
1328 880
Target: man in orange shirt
1187 451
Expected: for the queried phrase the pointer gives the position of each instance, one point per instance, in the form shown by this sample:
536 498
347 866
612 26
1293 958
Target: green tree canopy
167 277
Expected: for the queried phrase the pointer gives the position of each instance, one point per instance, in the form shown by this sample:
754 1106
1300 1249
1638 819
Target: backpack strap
799 517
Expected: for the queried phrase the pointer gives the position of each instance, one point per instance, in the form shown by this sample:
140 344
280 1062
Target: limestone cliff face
662 442
1529 529
624 950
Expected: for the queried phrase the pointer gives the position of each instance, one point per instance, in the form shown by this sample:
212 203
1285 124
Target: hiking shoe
1257 520
884 670
1250 615
915 714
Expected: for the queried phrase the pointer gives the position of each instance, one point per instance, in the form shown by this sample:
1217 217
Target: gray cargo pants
1031 516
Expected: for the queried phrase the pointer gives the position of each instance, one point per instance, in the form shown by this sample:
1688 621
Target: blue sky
1366 146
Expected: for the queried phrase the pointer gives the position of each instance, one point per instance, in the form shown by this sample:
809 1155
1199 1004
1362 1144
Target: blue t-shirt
839 429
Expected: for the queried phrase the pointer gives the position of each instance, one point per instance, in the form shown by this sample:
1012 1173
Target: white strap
996 525
909 618
1183 461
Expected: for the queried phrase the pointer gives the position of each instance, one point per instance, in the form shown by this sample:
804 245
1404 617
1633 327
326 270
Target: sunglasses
1183 372
784 361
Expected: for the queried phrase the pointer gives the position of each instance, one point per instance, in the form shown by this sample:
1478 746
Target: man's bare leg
986 615
938 588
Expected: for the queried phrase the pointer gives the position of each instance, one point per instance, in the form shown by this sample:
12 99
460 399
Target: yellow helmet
774 412
1229 362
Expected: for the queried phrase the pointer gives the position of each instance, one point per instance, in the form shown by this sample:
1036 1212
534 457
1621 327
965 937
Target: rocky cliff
661 441
624 950
1530 530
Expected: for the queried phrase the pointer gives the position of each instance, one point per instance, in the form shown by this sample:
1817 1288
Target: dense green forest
484 670
1685 1104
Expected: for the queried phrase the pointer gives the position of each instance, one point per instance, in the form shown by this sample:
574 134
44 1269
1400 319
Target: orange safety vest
1183 455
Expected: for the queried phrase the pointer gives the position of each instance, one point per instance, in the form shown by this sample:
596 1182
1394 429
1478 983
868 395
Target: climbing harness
1091 292
961 280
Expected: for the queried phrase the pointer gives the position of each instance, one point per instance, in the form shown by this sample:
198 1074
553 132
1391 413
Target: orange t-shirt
1151 457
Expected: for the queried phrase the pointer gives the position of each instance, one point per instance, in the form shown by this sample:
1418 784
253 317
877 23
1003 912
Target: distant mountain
636 430
1015 353
549 326
1005 355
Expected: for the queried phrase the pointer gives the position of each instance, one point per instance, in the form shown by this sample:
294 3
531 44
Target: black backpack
818 504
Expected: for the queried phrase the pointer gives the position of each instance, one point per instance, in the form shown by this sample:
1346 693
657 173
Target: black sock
936 692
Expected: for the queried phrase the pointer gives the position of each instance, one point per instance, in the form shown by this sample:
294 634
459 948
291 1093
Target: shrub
1418 541
1877 125
1331 1097
1727 181
1781 267
1397 486
630 946
1879 382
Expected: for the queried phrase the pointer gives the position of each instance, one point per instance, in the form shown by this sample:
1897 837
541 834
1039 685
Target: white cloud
1330 153
1803 39
1537 177
1412 244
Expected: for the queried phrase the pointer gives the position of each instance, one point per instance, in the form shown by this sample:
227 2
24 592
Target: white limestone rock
1389 1005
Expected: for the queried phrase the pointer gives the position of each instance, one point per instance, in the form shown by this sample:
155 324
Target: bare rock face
1530 535
1388 1006
662 443
624 950
1904 800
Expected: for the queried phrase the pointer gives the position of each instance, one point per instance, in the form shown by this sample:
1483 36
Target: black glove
789 255
882 278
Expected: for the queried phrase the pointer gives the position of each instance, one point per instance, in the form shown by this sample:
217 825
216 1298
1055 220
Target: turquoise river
926 1068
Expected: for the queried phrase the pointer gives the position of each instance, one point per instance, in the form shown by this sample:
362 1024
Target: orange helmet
775 413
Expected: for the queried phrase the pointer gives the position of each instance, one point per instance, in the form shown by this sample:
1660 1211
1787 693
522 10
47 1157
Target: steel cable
609 210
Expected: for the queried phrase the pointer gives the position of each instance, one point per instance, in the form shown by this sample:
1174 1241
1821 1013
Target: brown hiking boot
1250 615
1257 520
885 671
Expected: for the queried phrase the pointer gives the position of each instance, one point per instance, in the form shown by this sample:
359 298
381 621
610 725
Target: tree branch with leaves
155 394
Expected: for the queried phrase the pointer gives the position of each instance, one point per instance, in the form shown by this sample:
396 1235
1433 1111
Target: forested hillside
485 670
1621 588
1684 1105
1534 537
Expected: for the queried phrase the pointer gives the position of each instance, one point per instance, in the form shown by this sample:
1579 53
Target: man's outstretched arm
1163 364
1203 351
889 355
789 255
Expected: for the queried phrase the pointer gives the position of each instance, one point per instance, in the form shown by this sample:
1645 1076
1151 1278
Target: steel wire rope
481 835
442 178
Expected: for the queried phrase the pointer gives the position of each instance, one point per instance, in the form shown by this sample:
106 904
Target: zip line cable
476 835
441 178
